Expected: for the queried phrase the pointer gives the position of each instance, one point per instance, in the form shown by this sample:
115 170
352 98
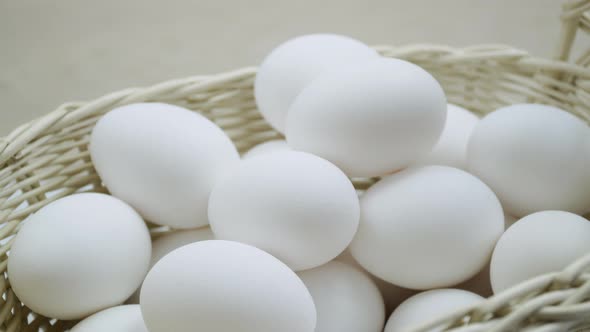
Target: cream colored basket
48 158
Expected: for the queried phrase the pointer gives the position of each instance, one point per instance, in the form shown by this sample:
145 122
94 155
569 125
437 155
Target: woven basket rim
71 111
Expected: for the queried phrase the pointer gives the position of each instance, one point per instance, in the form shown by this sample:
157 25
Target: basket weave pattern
48 158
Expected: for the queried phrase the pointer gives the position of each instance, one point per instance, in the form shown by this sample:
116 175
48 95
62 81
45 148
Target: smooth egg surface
225 286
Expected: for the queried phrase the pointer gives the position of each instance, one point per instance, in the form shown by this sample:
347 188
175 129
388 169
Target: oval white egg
451 148
539 243
294 64
171 241
126 318
161 159
298 207
346 299
267 147
534 157
369 119
429 305
418 231
225 286
78 255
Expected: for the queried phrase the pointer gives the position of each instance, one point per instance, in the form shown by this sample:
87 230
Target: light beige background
57 51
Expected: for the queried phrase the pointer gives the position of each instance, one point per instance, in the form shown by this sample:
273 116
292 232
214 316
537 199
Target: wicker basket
48 158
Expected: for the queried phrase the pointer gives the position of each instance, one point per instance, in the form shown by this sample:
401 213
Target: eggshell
369 119
346 299
294 64
427 227
126 318
161 159
539 243
451 149
78 255
225 286
267 147
429 305
294 205
534 157
171 241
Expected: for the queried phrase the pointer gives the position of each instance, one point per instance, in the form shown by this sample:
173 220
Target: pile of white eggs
279 240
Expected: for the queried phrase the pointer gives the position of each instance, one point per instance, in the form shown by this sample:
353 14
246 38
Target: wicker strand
549 304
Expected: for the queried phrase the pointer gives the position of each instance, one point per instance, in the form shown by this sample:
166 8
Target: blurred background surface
57 51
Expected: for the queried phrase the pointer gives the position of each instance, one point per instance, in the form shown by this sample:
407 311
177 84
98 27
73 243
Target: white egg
225 286
294 64
427 227
392 295
451 149
267 147
346 299
171 241
539 243
294 205
78 255
429 305
126 318
369 119
534 157
161 159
